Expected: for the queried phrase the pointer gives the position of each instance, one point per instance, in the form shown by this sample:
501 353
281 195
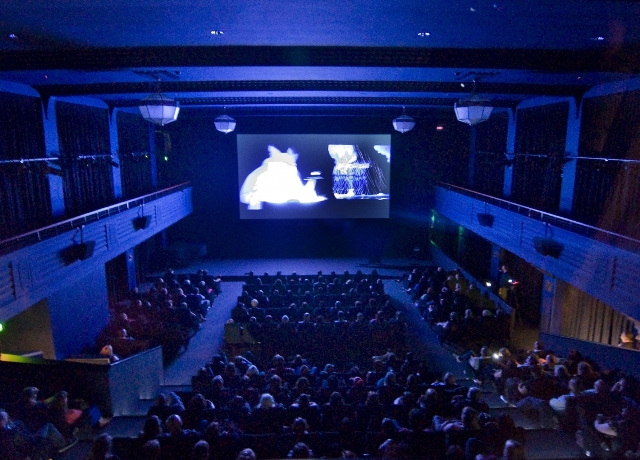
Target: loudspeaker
81 251
85 250
548 247
141 222
485 220
69 254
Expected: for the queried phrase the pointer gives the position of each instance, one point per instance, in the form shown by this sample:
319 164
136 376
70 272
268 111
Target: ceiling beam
622 59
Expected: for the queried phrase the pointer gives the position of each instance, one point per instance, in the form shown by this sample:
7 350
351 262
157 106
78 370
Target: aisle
206 342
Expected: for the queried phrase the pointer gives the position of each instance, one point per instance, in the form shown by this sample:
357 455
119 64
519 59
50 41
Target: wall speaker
141 222
69 254
77 251
485 220
548 247
85 250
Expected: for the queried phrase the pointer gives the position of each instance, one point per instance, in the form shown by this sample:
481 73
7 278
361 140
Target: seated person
628 341
65 420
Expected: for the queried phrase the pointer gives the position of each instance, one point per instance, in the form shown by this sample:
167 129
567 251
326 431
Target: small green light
1 327
166 158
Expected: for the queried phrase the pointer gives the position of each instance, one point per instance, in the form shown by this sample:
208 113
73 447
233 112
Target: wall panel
604 271
39 270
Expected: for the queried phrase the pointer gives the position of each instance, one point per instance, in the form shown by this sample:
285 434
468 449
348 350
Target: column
510 150
115 169
52 148
570 168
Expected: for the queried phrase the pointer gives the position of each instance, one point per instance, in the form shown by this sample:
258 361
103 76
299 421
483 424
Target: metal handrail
590 231
43 233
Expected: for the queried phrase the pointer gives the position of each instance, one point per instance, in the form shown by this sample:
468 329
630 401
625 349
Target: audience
336 378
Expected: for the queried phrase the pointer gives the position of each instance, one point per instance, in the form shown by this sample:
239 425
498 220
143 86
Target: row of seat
426 445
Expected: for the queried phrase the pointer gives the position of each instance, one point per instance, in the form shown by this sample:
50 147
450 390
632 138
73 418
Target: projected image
355 176
296 176
278 181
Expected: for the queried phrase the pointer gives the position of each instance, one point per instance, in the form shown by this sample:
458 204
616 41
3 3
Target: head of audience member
29 396
246 454
200 450
560 372
101 447
300 450
469 418
449 378
252 371
584 369
299 426
151 450
601 387
174 425
152 427
266 401
302 385
513 450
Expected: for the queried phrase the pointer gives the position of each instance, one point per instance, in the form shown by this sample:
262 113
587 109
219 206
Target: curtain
605 191
491 143
25 202
135 158
587 318
541 134
88 182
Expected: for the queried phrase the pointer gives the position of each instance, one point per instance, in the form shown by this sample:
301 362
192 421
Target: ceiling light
472 110
403 123
225 124
217 32
159 109
424 34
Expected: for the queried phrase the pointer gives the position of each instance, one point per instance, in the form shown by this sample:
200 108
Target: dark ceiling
297 56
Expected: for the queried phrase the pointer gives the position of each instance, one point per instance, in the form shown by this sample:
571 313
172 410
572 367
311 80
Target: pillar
52 148
115 168
510 150
569 170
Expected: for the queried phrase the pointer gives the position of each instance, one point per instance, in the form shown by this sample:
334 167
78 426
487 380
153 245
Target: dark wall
78 313
198 153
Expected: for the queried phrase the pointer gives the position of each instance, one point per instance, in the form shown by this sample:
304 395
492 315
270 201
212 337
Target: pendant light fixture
403 123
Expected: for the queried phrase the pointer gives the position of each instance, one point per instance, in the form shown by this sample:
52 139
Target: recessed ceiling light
13 36
423 34
439 128
217 32
597 39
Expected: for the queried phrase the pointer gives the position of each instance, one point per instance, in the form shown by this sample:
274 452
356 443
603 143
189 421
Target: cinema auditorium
335 229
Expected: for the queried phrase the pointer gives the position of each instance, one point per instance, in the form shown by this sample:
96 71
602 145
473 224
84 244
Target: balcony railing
605 236
50 231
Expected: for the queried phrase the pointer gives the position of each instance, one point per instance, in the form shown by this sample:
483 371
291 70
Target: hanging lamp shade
159 109
472 111
225 124
403 123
